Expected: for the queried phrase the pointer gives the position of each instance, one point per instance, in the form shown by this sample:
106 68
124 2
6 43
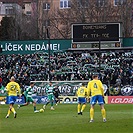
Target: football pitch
64 119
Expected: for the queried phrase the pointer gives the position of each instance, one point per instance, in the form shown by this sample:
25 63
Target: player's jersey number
95 85
13 87
81 91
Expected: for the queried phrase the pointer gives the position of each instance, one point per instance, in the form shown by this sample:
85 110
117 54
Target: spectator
67 66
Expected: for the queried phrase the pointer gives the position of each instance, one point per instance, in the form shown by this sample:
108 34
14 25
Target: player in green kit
49 92
28 94
95 88
2 89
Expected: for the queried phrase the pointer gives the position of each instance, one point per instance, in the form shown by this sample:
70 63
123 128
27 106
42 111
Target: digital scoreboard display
93 33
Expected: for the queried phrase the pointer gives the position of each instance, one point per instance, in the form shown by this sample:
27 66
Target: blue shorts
81 100
95 99
12 99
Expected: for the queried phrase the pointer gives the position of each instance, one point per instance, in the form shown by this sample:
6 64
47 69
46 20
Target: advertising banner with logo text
120 99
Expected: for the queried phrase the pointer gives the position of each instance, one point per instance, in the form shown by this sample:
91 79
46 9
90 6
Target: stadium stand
115 67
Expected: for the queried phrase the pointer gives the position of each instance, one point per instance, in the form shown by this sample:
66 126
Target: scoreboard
96 45
90 35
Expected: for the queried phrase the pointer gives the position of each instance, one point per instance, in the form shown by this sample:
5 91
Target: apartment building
10 8
6 6
58 15
22 11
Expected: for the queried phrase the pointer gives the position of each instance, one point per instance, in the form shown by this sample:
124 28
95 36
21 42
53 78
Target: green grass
64 119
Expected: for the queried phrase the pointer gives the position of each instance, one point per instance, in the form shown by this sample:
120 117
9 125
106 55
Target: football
41 110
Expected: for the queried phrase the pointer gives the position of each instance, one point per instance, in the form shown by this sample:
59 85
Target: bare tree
84 11
29 24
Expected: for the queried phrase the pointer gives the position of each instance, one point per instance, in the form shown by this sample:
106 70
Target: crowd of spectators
113 67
